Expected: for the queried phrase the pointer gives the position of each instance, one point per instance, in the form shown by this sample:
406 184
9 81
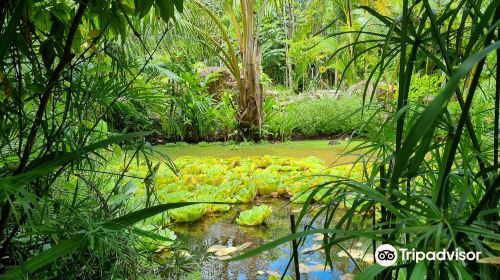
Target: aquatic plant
228 180
246 195
188 214
255 216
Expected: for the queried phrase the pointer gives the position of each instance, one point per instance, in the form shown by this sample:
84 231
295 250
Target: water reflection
222 230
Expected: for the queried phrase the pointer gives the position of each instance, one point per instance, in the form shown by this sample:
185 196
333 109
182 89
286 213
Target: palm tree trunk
250 116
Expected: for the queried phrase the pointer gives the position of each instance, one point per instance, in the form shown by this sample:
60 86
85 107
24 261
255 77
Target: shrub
325 116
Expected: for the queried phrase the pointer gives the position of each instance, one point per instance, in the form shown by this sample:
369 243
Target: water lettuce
255 216
214 208
267 183
246 195
236 179
188 213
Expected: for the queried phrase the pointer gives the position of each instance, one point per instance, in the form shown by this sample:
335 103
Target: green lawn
318 148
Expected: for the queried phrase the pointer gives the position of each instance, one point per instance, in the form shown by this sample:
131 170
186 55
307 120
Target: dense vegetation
89 87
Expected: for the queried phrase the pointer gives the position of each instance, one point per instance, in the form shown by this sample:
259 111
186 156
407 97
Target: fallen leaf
220 250
311 268
226 251
319 267
215 248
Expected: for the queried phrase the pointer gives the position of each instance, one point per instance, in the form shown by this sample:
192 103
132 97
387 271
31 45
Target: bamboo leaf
150 234
461 269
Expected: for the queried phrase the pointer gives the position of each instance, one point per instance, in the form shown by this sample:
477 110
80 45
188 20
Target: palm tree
250 92
250 98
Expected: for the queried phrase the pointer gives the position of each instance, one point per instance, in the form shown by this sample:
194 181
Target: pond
222 230
221 237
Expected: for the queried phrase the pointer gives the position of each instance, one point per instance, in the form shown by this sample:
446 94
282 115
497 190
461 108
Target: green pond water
301 149
221 229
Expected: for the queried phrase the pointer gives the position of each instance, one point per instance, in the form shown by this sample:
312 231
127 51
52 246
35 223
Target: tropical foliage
434 179
65 68
87 88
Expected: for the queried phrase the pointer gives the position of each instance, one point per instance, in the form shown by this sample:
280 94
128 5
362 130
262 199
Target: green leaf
63 248
153 238
166 9
464 274
68 246
165 72
492 245
419 271
142 7
134 217
370 272
179 5
188 214
151 235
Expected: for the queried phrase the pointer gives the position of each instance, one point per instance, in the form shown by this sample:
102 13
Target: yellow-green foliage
236 180
255 216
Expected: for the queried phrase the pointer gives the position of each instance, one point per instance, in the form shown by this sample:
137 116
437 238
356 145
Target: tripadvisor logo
387 255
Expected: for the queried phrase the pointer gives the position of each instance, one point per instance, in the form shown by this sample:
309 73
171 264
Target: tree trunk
250 115
289 29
